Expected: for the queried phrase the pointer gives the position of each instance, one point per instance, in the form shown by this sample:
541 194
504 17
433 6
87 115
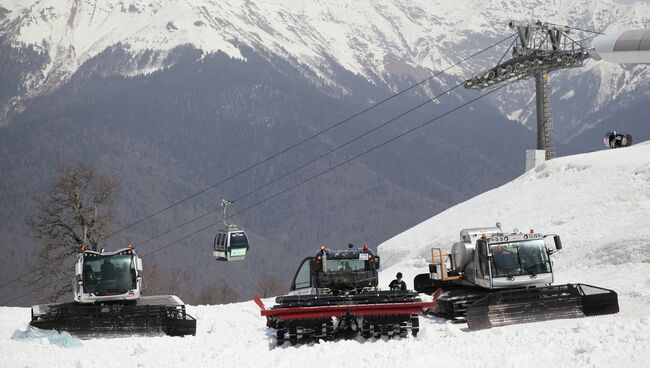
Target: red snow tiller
335 294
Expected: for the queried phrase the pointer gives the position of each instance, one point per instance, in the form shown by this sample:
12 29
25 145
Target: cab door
483 277
220 242
302 280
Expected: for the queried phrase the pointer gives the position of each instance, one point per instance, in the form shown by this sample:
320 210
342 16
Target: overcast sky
632 1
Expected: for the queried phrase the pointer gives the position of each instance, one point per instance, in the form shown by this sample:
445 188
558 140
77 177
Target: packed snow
598 202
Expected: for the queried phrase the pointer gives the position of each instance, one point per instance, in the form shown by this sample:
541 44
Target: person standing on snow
397 284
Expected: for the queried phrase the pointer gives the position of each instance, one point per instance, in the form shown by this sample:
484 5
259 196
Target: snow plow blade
149 316
541 304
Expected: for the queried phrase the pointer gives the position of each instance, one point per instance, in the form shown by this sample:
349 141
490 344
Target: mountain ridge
375 40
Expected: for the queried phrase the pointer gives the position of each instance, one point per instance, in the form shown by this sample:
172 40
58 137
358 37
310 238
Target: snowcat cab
337 272
492 278
107 276
497 261
335 292
617 140
231 242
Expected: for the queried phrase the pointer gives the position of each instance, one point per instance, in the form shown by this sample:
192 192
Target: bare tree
216 293
227 294
179 282
151 279
74 212
207 295
269 285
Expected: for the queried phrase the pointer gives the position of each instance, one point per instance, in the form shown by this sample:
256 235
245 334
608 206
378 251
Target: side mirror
376 262
78 269
558 242
433 268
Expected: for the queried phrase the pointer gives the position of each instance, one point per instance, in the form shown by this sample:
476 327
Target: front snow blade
541 304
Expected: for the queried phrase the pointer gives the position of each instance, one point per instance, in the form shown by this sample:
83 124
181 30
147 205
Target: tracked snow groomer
492 278
108 301
335 293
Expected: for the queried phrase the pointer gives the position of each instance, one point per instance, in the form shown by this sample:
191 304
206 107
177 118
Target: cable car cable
174 204
330 169
288 149
326 153
346 143
305 164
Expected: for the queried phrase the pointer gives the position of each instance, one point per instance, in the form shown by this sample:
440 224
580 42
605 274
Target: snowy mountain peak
365 37
380 41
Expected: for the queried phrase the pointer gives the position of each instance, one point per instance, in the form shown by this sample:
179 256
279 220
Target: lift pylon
538 49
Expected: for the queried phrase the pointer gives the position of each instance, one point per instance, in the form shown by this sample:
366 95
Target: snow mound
32 334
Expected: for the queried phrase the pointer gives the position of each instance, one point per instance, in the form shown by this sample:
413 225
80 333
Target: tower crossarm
538 47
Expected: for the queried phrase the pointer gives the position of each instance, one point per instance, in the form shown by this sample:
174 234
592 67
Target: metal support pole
541 110
537 49
224 208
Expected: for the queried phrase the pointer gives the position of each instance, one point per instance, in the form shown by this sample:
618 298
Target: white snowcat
492 278
108 301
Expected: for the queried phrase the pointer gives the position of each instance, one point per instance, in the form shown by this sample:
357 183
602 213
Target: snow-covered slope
375 39
599 202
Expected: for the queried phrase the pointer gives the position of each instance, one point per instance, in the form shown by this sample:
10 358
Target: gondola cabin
617 140
231 244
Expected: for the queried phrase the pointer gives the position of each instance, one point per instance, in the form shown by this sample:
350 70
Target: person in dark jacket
397 284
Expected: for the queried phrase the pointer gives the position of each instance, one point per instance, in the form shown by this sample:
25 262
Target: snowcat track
454 302
541 304
312 330
455 307
397 326
114 320
302 331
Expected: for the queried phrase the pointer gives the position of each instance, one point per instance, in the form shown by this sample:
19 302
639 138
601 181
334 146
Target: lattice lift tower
538 49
